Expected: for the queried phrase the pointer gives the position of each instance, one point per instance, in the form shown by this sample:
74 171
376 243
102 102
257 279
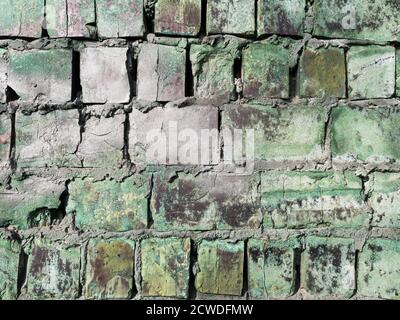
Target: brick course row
107 270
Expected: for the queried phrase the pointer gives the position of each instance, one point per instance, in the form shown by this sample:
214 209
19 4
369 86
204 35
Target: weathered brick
312 199
283 17
102 142
385 199
47 140
120 18
280 134
21 18
272 271
231 17
357 19
3 75
72 18
109 205
9 259
205 202
5 139
165 267
371 72
323 73
220 267
161 73
328 267
265 71
366 134
109 270
53 271
178 17
28 200
41 75
104 76
379 269
212 68
175 136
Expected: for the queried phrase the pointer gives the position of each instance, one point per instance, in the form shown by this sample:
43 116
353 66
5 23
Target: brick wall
86 213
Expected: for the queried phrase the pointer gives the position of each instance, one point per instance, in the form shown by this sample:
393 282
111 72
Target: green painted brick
295 133
220 267
5 138
283 17
48 140
212 68
379 269
3 74
385 199
323 73
272 269
205 202
53 271
366 134
265 71
120 18
371 72
398 72
328 267
312 199
41 75
9 260
165 267
231 17
21 18
110 269
374 20
178 17
19 206
109 205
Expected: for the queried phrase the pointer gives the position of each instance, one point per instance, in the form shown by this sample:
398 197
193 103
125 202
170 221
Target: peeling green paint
9 258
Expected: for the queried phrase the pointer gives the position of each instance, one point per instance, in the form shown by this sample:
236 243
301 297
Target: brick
220 267
272 272
3 75
49 140
331 81
21 18
178 17
265 71
53 272
313 199
212 68
371 72
366 134
102 142
104 75
120 18
109 205
21 207
76 18
379 269
110 269
41 75
175 136
9 260
165 267
5 139
328 267
384 199
161 73
357 19
205 202
280 134
285 17
231 17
